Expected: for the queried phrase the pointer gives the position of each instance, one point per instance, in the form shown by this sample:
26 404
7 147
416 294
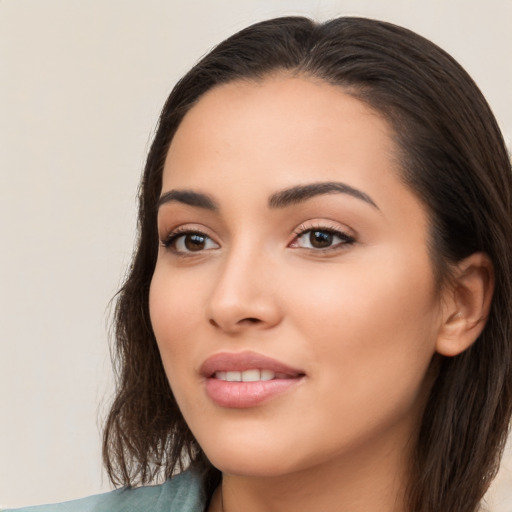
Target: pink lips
240 394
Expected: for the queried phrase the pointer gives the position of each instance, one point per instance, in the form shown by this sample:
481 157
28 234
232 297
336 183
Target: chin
251 459
260 468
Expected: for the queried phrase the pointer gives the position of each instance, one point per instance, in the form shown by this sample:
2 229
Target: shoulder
181 493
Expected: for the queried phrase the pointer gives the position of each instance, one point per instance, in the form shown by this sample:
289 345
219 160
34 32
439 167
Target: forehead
308 125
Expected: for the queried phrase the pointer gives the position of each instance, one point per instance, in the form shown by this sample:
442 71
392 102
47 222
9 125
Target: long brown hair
452 156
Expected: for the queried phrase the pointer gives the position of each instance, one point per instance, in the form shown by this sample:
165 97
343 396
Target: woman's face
293 299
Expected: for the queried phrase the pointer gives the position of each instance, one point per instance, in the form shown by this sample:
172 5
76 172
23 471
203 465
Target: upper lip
241 361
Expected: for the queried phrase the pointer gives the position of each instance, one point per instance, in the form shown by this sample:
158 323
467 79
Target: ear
466 304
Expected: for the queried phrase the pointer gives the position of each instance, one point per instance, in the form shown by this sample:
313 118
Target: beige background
81 84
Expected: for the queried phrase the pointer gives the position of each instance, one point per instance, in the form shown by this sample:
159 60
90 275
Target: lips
247 379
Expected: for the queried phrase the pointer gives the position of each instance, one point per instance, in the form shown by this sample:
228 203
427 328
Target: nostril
250 320
236 324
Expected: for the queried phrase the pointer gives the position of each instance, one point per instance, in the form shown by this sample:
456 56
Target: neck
373 482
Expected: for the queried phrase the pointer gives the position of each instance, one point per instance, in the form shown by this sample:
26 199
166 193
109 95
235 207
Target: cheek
174 301
372 328
390 294
173 316
370 353
174 307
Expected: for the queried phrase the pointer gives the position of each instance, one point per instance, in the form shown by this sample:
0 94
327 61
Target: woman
317 314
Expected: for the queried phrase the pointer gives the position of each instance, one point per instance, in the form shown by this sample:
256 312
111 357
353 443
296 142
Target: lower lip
241 395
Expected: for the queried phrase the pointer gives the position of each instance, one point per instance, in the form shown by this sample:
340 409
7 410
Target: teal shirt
181 493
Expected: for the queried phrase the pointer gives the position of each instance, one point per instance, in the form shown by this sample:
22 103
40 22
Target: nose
245 294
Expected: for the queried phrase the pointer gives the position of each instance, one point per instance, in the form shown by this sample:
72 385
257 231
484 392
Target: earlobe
466 305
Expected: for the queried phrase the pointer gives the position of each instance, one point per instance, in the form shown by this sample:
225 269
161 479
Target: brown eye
189 242
194 241
320 239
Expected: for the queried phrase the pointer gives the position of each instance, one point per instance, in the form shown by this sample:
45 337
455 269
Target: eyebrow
302 193
281 199
189 197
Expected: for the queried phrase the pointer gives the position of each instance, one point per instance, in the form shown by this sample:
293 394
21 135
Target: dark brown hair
453 157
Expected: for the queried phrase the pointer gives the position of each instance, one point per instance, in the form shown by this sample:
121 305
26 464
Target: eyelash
346 240
171 239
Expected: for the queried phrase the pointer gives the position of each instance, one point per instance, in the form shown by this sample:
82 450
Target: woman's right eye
189 242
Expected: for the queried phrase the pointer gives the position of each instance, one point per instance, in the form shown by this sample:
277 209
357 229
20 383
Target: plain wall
81 85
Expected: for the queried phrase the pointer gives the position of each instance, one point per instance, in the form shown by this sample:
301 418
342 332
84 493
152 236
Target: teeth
233 376
267 375
253 375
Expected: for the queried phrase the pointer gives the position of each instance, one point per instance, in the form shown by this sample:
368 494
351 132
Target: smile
247 379
254 375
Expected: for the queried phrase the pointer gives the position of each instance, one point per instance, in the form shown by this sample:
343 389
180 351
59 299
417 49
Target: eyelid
347 235
174 234
326 225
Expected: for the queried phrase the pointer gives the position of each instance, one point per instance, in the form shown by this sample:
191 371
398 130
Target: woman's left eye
322 238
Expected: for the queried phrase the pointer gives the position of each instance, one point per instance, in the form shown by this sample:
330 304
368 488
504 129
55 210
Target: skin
362 319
